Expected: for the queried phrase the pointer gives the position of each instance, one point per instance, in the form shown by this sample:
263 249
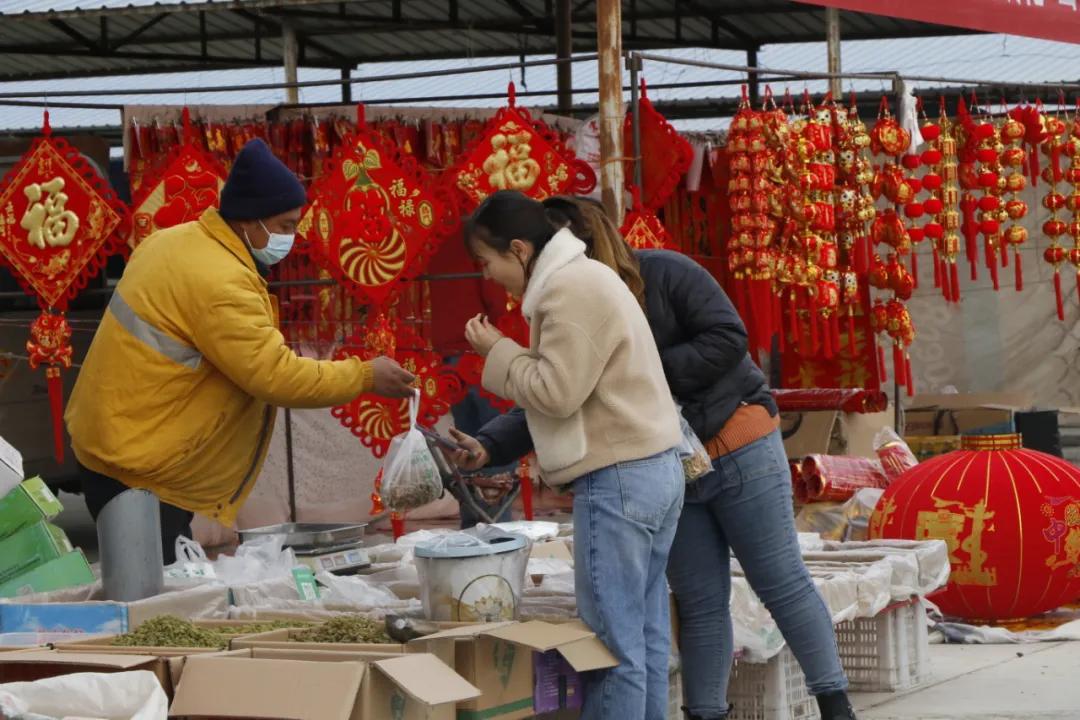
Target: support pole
289 54
633 64
290 469
752 76
832 38
346 86
609 45
564 72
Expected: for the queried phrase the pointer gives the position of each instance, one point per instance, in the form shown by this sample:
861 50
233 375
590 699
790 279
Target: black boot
835 706
690 716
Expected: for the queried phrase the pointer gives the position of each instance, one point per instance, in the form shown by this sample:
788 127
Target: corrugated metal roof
991 58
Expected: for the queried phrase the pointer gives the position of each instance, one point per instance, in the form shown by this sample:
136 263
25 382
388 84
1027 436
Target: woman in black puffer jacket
744 506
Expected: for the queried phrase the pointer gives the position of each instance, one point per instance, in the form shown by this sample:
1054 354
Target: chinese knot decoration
374 220
516 152
59 221
665 154
376 420
642 230
1010 518
179 191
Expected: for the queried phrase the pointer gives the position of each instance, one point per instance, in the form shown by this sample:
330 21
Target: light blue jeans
745 507
625 517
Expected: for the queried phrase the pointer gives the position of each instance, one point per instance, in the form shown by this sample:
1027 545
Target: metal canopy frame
220 34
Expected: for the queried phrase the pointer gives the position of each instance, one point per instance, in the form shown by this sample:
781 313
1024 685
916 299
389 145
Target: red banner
1048 19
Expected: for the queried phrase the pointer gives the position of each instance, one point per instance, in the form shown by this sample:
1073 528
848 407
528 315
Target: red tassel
796 328
778 322
954 280
882 370
56 407
851 330
826 339
861 261
1004 258
834 328
898 364
910 377
914 269
1019 272
937 269
397 523
992 262
1057 293
815 340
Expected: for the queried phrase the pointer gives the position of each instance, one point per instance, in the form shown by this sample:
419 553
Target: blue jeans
625 517
745 507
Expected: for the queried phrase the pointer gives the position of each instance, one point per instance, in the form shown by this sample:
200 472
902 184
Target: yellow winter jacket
179 389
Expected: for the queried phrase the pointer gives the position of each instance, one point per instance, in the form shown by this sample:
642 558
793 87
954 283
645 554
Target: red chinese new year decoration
516 152
189 182
59 221
665 154
642 230
1010 518
374 220
375 420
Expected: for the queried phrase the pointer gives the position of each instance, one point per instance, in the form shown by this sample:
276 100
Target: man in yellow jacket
179 389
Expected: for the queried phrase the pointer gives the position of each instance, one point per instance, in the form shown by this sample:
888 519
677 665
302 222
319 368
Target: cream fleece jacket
591 382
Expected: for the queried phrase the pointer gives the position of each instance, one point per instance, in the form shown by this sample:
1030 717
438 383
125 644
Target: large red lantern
1010 517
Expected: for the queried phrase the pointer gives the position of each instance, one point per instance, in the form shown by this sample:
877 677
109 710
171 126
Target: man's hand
472 457
392 380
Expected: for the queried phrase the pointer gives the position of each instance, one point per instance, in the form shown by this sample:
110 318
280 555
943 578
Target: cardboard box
925 448
62 572
972 414
310 684
29 665
832 432
29 502
30 547
11 467
502 660
104 643
442 648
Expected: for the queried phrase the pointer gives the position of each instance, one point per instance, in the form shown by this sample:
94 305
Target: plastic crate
887 652
774 690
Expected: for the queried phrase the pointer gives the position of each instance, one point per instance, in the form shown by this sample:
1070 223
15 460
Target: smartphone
439 439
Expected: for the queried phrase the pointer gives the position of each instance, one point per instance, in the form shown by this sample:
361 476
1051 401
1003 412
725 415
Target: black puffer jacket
703 345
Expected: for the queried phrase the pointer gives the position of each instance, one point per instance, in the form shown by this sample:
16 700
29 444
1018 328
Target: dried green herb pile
171 631
345 629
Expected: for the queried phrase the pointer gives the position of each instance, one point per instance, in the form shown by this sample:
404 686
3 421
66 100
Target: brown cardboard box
103 643
831 432
29 665
498 658
282 640
317 685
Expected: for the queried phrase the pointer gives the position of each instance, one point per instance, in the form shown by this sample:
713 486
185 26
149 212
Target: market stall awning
1046 19
72 38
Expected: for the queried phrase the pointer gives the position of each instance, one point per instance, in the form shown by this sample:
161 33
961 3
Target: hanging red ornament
516 152
188 183
59 221
374 218
665 154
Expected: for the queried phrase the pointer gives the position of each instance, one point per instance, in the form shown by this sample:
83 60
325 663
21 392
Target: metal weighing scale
328 547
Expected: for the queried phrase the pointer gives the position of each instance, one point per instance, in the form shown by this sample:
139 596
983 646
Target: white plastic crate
774 690
887 652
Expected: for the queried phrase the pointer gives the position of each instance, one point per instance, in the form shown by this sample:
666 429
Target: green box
30 502
32 546
65 571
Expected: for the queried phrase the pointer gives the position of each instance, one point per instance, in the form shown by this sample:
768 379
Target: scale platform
345 559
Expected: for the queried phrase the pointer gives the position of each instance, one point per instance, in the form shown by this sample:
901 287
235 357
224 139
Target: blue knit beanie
260 186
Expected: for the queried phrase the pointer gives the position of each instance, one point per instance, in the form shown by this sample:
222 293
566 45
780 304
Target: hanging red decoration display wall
59 221
188 183
642 230
517 152
375 218
1010 518
665 154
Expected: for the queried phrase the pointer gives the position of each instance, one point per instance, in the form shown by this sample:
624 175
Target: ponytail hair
604 243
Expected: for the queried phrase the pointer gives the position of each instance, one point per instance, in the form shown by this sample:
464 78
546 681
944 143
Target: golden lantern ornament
1054 201
1013 159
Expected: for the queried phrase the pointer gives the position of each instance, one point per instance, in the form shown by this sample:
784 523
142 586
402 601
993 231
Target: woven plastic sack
410 475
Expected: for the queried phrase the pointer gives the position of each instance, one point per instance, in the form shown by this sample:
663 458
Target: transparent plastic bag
895 455
695 459
410 475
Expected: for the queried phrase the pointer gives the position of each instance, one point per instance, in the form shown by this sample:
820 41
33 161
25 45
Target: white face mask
277 247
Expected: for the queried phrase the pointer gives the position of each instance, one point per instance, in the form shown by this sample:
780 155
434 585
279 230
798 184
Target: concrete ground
988 682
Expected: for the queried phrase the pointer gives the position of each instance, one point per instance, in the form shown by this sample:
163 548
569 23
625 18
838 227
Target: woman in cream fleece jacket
603 422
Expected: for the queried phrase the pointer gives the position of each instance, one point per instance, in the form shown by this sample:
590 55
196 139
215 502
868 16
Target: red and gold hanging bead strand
1014 161
949 248
855 208
967 142
1057 136
1072 176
